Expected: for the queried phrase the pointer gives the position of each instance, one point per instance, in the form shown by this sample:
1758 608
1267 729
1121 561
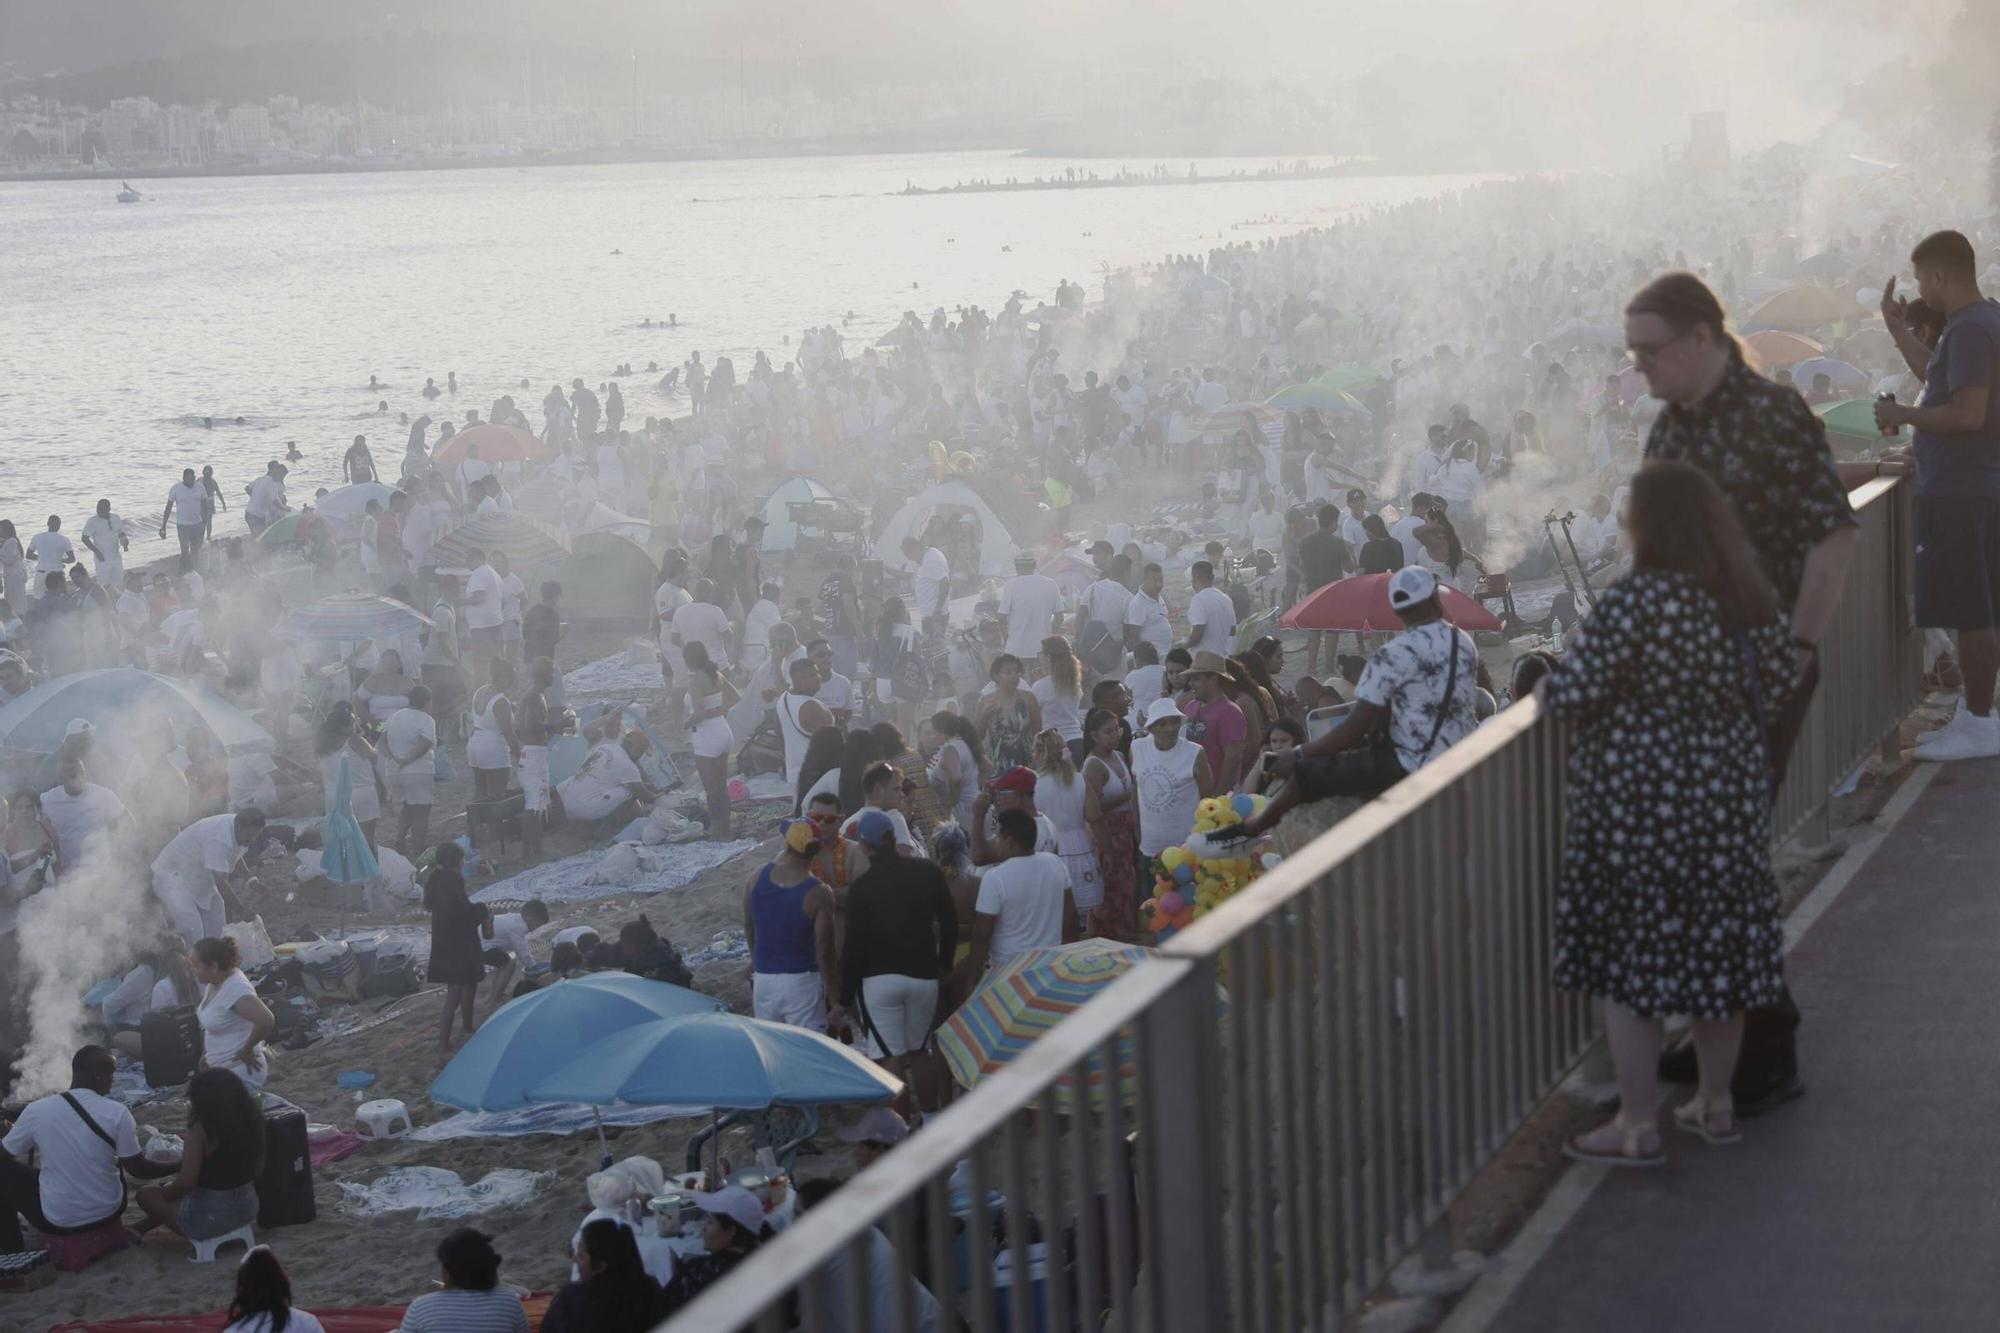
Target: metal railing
1297 1088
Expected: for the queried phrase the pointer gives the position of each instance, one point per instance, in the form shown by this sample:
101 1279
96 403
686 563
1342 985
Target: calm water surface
275 298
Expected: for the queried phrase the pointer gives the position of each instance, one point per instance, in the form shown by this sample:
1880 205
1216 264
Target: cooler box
332 971
170 1046
285 1184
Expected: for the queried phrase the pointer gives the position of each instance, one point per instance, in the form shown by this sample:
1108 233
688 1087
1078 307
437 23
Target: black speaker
285 1183
170 1046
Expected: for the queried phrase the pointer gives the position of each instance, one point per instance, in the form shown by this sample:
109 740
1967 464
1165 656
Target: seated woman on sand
216 1191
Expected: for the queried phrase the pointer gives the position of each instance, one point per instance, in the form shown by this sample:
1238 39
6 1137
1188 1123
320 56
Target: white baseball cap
735 1203
1411 586
1163 710
881 1125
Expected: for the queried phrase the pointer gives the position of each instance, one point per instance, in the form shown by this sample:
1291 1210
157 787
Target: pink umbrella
1362 603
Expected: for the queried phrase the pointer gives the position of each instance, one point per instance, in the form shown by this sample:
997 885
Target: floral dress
1008 744
1667 903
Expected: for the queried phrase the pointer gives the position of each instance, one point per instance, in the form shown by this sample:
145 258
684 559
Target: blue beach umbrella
726 1061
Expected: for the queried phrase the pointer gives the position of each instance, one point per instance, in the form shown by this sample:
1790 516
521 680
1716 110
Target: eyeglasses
1645 356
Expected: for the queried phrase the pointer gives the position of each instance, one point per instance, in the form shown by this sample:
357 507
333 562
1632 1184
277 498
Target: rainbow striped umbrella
1027 997
530 545
351 617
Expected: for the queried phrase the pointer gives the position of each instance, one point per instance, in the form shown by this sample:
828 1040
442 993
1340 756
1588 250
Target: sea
273 299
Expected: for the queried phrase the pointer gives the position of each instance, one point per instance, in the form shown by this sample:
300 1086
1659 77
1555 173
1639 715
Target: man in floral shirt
1768 452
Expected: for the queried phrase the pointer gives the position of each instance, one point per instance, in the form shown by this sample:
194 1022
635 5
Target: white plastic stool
385 1119
204 1250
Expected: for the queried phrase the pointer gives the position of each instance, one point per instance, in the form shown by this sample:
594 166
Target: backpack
1102 647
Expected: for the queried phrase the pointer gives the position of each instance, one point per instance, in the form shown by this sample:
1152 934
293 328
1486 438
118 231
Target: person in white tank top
1171 774
1059 794
799 716
493 746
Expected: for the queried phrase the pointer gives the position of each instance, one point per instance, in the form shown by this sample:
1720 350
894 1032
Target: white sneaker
1953 726
1966 736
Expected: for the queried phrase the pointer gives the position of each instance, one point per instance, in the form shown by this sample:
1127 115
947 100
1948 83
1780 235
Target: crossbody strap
95 1128
1450 687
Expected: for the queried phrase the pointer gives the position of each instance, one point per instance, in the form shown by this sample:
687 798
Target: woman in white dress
339 740
959 771
13 568
493 746
1061 795
710 696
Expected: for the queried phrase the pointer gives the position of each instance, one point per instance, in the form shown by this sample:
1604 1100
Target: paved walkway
1873 1202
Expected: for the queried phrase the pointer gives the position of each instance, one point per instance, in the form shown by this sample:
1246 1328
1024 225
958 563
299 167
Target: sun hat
735 1203
1163 710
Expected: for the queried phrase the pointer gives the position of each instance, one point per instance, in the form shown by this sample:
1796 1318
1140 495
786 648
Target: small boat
126 194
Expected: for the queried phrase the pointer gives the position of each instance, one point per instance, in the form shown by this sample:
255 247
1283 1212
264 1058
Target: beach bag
331 969
764 752
1102 647
910 677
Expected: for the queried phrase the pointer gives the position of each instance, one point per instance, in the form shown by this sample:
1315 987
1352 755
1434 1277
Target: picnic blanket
667 866
432 1192
548 1118
344 1319
328 1151
634 670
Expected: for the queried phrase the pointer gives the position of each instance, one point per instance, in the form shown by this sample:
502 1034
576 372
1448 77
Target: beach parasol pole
603 1148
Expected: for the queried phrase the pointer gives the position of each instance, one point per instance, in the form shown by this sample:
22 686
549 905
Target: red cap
1015 780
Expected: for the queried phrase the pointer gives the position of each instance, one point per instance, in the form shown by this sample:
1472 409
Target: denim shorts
207 1213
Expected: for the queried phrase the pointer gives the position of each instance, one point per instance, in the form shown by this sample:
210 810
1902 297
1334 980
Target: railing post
1180 1066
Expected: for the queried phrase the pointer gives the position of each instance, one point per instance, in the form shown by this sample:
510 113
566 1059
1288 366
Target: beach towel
345 1319
433 1193
548 1118
328 1151
571 880
634 671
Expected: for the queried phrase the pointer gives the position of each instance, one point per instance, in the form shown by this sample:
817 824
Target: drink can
1886 397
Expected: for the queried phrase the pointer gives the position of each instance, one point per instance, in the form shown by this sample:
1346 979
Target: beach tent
601 517
607 577
995 545
346 507
124 707
780 533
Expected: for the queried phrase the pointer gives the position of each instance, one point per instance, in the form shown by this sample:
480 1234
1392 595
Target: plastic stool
204 1250
385 1119
74 1253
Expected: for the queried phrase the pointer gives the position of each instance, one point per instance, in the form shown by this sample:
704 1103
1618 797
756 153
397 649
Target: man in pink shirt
1213 721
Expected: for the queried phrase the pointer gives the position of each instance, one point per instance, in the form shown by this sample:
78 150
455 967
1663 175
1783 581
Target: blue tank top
784 931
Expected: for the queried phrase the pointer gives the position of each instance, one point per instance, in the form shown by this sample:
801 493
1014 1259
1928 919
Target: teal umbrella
1854 419
727 1061
347 858
1325 397
125 705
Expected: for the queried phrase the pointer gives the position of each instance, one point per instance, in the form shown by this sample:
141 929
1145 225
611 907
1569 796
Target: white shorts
535 777
900 1009
1086 882
487 749
417 784
885 691
713 739
797 998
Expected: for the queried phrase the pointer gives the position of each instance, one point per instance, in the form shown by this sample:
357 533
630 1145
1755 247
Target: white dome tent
995 544
780 533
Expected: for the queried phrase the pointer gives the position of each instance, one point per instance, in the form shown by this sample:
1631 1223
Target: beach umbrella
1348 378
1036 990
1314 323
283 531
1802 308
1579 333
1362 603
527 1039
115 701
1337 402
346 858
1841 374
1853 419
346 506
1874 344
718 1060
351 617
497 444
527 543
1771 349
1071 572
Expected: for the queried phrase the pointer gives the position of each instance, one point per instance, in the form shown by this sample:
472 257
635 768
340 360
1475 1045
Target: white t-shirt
298 1321
203 849
223 1030
933 582
1352 532
707 624
903 836
103 533
1404 530
1211 395
1029 602
1147 683
602 784
80 818
1211 621
1107 601
187 499
836 692
757 625
1062 713
482 598
571 934
1045 834
510 932
267 497
406 729
1267 530
1026 893
1149 615
51 551
80 1182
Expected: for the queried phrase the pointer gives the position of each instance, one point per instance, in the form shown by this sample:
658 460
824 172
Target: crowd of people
979 764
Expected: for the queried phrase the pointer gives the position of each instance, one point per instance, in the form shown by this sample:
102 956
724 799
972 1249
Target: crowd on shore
989 737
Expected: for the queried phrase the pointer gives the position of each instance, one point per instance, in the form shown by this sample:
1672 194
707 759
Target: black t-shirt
231 1162
1323 557
541 625
1383 555
900 922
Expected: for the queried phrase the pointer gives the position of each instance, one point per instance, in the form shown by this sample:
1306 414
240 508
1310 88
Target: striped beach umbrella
1031 994
1325 397
351 617
530 545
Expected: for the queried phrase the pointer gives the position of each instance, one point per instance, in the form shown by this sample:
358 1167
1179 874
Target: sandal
1711 1122
1631 1150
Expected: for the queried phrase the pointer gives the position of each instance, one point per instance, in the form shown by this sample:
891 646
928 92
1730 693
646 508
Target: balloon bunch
1190 880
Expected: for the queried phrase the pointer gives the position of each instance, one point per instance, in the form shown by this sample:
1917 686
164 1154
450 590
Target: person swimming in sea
375 385
292 454
430 389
